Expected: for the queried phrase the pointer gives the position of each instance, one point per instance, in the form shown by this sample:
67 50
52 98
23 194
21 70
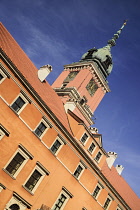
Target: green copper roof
102 56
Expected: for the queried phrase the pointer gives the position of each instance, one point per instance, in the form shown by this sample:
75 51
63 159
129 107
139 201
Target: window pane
60 202
84 138
17 105
14 207
1 77
78 171
55 146
91 148
96 191
33 180
98 156
40 129
107 203
15 164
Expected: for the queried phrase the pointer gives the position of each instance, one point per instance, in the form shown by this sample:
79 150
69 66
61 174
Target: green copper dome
102 56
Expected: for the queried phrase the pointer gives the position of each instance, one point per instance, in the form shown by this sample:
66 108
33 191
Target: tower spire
102 56
112 42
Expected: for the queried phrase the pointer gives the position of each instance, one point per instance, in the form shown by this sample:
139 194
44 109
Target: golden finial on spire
112 42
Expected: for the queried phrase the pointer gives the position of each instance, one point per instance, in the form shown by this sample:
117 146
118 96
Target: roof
121 186
29 71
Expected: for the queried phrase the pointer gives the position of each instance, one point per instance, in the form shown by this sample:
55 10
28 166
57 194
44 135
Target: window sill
75 177
91 153
39 137
97 161
27 190
16 113
83 143
8 173
94 197
54 154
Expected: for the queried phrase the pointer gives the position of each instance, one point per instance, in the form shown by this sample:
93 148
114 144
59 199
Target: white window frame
2 187
119 208
86 139
83 167
24 99
21 151
3 131
98 185
2 134
42 171
16 199
100 157
67 194
47 127
4 76
93 149
108 197
61 142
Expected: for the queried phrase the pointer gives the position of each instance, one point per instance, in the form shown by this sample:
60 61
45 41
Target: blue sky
60 32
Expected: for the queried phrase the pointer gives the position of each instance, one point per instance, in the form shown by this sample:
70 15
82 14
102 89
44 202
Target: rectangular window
107 202
40 129
91 148
18 160
35 178
31 183
14 165
84 138
98 156
91 87
78 171
96 191
62 199
60 202
55 147
18 104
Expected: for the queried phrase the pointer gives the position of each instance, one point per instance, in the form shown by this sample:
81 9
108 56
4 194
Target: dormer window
91 87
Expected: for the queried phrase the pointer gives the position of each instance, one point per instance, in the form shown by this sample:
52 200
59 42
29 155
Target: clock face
91 87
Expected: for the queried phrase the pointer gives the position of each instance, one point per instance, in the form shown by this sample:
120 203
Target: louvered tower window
91 87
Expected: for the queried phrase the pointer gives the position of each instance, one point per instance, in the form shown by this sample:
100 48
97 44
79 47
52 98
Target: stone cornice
75 98
97 75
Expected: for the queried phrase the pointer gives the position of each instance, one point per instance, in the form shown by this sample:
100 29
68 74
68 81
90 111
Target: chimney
93 130
43 72
119 169
110 160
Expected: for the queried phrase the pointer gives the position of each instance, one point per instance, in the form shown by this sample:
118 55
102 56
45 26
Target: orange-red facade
61 164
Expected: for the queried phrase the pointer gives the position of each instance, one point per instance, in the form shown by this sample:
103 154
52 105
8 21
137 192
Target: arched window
14 207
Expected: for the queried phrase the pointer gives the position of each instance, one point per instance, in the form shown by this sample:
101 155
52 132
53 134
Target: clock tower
83 84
